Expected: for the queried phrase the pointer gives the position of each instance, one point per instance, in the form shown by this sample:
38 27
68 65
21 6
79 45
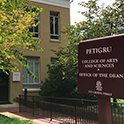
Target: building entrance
4 82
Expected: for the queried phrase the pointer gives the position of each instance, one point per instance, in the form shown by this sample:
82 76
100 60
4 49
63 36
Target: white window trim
55 26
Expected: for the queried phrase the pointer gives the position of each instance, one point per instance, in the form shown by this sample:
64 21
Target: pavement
12 111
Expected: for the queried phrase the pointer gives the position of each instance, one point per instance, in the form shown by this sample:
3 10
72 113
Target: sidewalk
12 111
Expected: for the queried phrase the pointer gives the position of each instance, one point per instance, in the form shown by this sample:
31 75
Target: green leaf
0 38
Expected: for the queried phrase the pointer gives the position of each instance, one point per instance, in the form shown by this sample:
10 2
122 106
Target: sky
74 7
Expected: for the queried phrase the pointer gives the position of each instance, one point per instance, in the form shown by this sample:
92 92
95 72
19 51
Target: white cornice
61 3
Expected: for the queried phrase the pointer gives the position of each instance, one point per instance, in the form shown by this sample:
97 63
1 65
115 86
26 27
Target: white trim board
61 3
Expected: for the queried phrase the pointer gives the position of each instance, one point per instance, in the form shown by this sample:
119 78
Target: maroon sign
101 66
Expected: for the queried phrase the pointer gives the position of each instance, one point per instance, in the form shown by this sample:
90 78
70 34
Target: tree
16 17
99 21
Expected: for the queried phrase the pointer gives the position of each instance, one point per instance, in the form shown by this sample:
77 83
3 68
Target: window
30 82
54 25
35 30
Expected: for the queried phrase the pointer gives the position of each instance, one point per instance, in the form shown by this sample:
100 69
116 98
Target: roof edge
60 3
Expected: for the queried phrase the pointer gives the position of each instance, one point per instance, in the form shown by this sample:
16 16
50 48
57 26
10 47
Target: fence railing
117 113
65 110
68 110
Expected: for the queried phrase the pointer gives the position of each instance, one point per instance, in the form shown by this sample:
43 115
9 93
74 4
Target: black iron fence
65 110
117 113
68 110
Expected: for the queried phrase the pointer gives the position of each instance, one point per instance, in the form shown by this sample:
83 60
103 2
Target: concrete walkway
12 111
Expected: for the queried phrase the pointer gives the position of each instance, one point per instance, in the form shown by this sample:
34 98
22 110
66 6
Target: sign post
101 71
104 110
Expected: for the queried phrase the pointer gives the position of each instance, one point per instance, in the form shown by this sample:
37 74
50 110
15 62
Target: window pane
31 69
51 25
56 26
37 72
36 29
24 75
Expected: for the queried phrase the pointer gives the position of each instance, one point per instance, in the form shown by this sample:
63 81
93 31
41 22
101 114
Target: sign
101 66
16 76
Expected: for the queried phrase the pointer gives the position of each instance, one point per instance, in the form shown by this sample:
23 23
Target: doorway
4 82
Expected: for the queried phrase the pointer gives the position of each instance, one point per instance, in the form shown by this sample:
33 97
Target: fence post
75 114
19 103
104 110
51 111
25 96
33 105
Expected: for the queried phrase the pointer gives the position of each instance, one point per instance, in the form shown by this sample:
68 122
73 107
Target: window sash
54 25
27 78
35 30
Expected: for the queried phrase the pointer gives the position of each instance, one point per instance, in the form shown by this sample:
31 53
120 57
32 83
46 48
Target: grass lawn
7 120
